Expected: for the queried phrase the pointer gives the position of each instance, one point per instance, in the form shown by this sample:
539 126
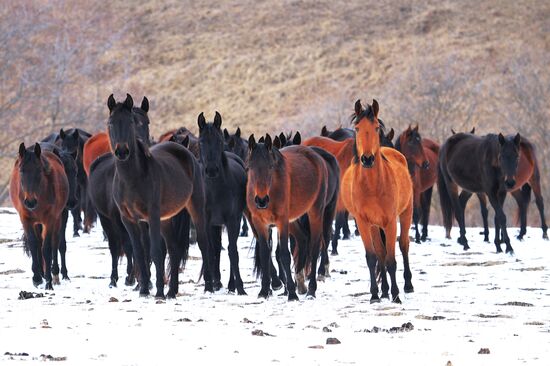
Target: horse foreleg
33 244
140 256
47 249
380 248
114 250
484 214
175 255
63 244
404 218
539 201
497 200
370 254
215 238
391 263
425 205
157 252
282 228
522 196
232 236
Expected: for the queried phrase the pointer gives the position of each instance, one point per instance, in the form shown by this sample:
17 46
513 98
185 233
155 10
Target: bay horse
300 230
377 189
527 180
237 145
282 186
179 134
99 144
421 154
493 172
39 191
225 185
150 186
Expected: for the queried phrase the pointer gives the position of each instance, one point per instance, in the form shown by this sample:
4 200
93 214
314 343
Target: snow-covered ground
463 302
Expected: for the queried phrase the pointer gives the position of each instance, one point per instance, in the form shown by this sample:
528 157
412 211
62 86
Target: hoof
76 235
396 300
65 277
499 250
48 286
129 281
112 284
334 252
346 237
310 296
208 287
217 285
417 241
510 251
409 289
385 296
357 233
293 297
276 284
423 238
241 292
36 283
55 280
171 294
374 299
160 296
243 234
301 289
144 293
320 278
545 236
264 294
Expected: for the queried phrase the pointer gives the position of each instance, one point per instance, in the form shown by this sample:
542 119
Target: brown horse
282 186
377 189
39 191
150 186
343 152
422 159
177 135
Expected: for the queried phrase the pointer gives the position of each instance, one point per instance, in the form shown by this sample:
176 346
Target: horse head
211 145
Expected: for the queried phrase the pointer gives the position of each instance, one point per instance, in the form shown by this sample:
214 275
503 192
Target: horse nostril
510 183
425 164
367 162
30 203
262 202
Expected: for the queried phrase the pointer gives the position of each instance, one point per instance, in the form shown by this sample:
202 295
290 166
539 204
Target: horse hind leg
425 204
522 196
370 254
215 238
33 241
484 214
63 245
380 248
405 218
539 201
233 235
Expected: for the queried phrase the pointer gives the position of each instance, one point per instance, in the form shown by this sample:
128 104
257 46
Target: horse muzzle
30 204
367 161
122 152
262 203
510 183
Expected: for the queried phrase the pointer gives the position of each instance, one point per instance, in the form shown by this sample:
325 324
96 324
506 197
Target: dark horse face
262 161
411 146
386 140
121 127
367 128
235 144
509 158
69 141
211 145
141 120
31 169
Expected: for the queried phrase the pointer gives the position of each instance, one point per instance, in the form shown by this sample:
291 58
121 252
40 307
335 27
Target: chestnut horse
377 189
39 191
283 186
421 155
151 186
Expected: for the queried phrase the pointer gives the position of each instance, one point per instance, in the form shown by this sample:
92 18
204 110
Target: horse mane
99 159
143 148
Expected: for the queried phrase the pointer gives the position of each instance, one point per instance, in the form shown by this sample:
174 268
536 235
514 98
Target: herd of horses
147 195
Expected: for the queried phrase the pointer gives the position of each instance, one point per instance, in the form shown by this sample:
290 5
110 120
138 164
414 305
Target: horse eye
417 138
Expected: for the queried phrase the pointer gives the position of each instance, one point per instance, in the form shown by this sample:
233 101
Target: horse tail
257 271
26 245
445 199
302 254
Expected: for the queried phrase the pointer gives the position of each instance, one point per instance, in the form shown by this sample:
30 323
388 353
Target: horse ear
415 129
390 134
145 104
37 150
75 134
225 134
268 143
62 134
22 150
129 102
173 138
277 142
297 140
375 107
201 121
517 139
501 139
251 142
358 108
324 131
111 103
453 131
185 141
217 120
261 140
238 133
283 139
473 130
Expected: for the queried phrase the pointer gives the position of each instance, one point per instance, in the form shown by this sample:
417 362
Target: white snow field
464 303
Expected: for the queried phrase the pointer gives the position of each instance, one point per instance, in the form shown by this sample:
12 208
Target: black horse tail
445 199
180 226
26 245
302 251
257 271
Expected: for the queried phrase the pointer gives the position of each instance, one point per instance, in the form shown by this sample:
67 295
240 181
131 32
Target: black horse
150 186
225 184
492 171
237 145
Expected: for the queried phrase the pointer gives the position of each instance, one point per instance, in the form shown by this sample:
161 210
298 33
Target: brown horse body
96 146
377 189
422 159
283 186
39 191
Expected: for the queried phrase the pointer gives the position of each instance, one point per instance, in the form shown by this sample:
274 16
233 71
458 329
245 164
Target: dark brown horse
493 171
151 186
421 154
177 135
282 187
39 192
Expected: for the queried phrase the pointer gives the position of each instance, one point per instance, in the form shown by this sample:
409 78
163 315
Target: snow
476 293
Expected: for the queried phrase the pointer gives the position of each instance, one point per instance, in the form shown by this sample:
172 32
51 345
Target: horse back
94 147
